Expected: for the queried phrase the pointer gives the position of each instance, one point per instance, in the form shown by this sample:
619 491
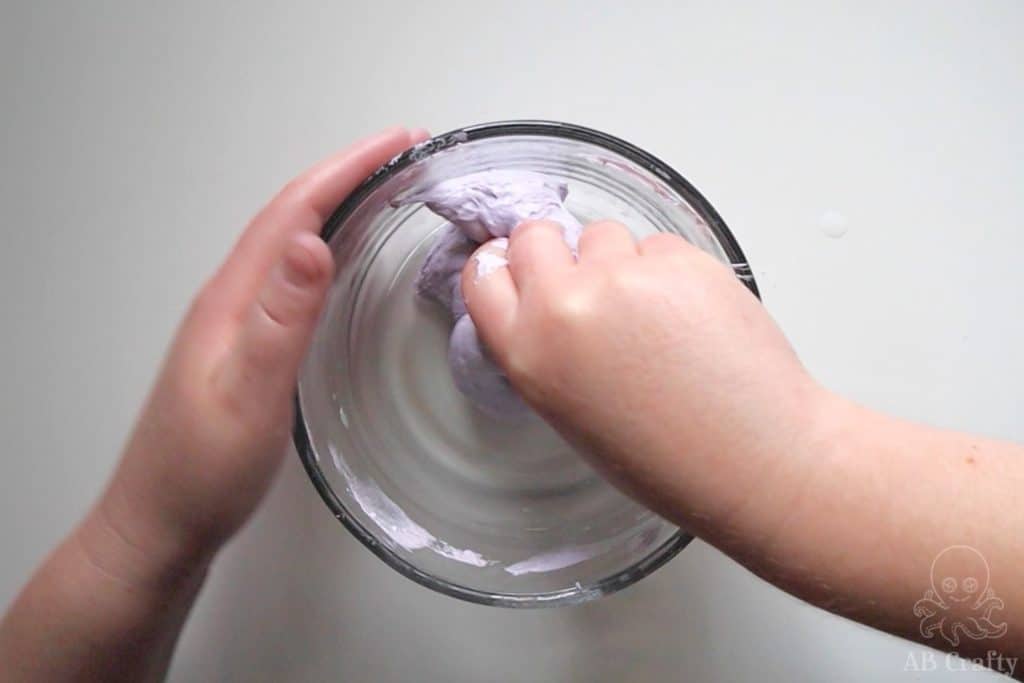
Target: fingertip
536 224
537 249
387 141
326 184
390 131
606 224
417 135
292 295
661 242
606 241
489 259
487 287
530 233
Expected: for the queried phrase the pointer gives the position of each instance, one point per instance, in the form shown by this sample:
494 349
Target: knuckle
264 352
276 310
287 305
234 401
230 404
571 308
575 308
626 280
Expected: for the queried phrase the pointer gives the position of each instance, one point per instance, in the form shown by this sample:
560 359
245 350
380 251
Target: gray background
139 137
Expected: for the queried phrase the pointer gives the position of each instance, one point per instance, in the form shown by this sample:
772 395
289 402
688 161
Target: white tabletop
139 137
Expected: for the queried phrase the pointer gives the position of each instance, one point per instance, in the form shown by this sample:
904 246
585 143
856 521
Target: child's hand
656 360
117 590
213 431
679 386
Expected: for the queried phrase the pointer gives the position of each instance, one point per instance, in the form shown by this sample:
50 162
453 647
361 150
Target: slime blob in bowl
495 512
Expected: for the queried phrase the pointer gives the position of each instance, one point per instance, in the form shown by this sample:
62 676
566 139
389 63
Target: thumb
276 332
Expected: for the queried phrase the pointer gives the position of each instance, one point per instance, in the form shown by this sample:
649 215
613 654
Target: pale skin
673 381
114 595
677 385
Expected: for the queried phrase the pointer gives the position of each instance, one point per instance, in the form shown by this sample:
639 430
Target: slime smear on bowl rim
397 525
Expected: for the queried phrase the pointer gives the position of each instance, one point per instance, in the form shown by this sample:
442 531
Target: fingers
605 242
663 242
418 135
537 251
260 371
302 206
490 293
678 249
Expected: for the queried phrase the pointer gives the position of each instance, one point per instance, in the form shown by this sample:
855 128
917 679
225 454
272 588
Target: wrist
127 541
786 472
819 496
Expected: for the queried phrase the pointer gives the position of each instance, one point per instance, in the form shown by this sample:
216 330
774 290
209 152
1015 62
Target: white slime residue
409 535
573 555
556 559
487 262
393 521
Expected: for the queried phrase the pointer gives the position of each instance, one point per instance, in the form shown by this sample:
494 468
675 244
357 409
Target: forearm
857 516
99 608
109 602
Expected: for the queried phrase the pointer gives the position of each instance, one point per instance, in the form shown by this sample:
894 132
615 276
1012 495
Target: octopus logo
960 601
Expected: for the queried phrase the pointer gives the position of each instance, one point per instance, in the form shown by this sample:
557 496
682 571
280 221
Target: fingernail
419 134
488 261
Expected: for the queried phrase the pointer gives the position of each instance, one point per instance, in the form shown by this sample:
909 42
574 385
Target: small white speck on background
833 223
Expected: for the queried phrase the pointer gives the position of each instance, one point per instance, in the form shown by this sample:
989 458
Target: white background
138 138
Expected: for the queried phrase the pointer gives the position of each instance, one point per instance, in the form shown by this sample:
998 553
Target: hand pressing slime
481 207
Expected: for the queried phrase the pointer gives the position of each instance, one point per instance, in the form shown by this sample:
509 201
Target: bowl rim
300 434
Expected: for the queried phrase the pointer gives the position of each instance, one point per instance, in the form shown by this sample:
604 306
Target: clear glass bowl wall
492 512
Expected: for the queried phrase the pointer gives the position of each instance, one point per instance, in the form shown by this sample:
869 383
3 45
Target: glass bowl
492 512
